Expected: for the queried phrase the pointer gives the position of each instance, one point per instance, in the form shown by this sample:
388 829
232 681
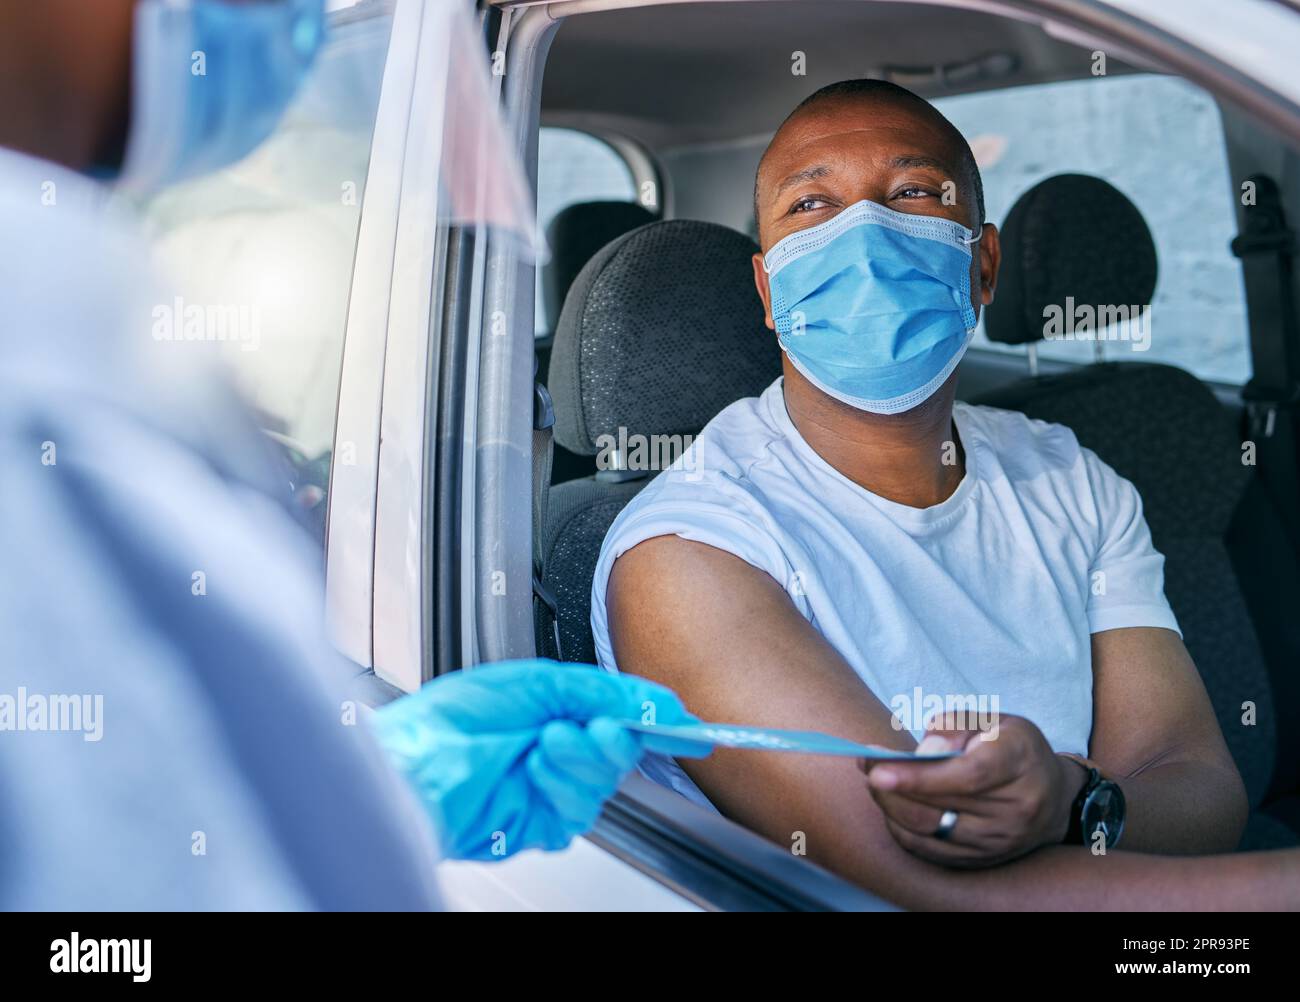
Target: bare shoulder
722 632
683 585
670 566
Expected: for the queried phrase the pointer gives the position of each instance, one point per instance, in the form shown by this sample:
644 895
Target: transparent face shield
394 135
482 182
480 179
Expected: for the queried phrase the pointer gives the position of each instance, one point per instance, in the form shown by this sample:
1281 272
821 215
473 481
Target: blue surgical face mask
211 81
873 306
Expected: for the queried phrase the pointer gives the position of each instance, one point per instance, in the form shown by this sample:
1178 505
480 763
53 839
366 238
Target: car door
395 368
705 857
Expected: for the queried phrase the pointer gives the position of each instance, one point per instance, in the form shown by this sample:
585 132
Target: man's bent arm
1154 733
727 638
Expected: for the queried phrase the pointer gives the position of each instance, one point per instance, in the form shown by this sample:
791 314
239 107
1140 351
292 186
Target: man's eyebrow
902 161
799 176
921 160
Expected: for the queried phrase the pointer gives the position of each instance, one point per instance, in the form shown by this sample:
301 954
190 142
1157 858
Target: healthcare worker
174 733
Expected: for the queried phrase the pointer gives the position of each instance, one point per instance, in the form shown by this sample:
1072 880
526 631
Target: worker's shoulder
75 272
84 359
80 297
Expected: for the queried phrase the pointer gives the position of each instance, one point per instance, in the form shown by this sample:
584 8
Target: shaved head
940 147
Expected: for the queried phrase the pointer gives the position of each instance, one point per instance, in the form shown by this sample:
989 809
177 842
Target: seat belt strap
545 606
1266 247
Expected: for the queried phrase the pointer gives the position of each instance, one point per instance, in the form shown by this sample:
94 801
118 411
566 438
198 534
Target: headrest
661 330
1070 235
575 234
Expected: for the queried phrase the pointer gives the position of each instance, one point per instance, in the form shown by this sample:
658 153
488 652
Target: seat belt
544 606
1266 248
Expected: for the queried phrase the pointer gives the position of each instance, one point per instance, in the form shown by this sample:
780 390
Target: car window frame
639 822
376 596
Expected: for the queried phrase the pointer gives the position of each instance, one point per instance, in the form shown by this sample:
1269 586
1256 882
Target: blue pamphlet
705 736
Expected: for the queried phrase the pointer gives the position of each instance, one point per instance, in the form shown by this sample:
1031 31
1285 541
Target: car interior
649 321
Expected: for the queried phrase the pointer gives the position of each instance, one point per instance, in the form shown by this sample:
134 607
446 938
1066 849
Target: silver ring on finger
947 822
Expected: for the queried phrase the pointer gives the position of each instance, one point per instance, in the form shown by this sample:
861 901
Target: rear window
1160 141
573 167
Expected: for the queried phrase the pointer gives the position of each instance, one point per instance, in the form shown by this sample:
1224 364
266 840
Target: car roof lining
686 74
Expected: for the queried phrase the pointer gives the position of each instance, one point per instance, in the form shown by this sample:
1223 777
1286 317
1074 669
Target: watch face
1104 811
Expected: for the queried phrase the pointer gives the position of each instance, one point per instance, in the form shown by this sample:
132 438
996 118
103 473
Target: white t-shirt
991 594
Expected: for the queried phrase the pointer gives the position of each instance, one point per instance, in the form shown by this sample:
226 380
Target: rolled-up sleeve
1126 578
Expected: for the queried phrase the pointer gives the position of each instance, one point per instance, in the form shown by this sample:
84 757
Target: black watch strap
1074 834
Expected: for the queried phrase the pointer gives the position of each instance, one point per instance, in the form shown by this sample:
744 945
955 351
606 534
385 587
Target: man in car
858 536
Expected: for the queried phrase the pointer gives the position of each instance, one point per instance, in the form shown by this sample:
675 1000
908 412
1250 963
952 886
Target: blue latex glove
522 754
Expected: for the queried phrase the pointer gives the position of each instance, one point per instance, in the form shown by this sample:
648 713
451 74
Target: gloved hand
522 754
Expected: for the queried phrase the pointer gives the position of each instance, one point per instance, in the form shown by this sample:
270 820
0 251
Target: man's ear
990 262
764 292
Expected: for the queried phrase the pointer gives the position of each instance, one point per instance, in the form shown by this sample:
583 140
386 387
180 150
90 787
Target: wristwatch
1099 807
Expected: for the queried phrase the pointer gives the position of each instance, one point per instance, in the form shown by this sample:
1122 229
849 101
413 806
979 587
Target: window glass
1160 141
265 249
575 167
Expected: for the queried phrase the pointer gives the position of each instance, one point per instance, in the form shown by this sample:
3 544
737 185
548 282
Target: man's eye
914 192
806 205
